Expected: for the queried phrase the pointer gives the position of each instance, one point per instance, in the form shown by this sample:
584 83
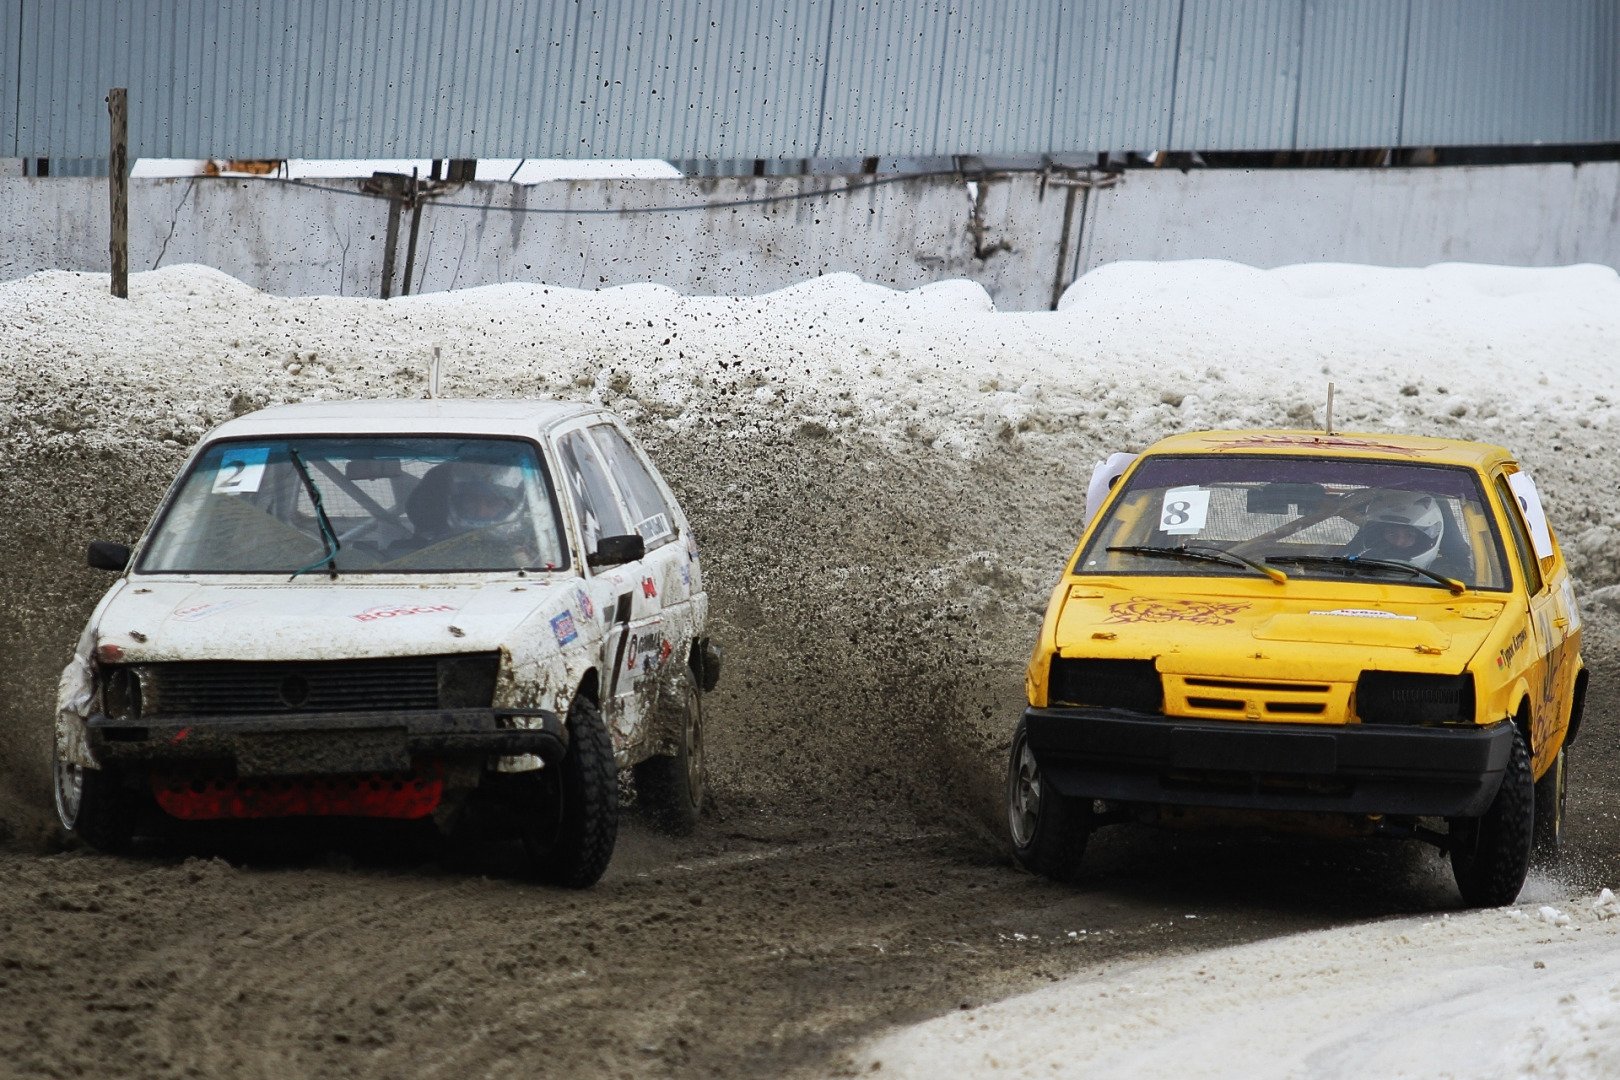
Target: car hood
187 620
1305 629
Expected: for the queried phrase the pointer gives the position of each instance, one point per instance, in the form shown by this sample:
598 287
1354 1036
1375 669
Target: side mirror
106 555
614 550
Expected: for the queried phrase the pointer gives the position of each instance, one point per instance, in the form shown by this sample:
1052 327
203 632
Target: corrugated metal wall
732 79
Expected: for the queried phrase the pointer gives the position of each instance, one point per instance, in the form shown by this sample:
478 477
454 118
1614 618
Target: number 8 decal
1185 511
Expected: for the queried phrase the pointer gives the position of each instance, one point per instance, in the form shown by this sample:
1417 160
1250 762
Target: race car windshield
1311 517
391 505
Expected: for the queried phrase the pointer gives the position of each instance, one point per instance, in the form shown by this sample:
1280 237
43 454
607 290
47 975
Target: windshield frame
166 507
1095 528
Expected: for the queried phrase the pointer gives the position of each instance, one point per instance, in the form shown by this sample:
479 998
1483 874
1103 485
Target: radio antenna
433 380
1327 423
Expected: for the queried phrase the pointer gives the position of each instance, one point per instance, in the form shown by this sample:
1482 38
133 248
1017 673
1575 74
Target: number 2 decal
241 470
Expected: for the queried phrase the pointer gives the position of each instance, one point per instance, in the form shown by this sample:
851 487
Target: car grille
1400 697
1106 684
233 687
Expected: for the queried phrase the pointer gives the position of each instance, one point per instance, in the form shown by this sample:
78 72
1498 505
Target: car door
1548 656
659 644
613 595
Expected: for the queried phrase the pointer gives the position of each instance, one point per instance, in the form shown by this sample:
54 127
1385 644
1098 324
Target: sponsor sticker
654 528
686 574
241 470
648 588
583 599
563 627
1365 613
202 611
399 611
647 649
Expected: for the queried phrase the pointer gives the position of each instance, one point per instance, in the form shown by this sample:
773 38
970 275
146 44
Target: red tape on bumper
393 795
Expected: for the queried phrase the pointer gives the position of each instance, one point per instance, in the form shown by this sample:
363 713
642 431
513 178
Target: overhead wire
429 200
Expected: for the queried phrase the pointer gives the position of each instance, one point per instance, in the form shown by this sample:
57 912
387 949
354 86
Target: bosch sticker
583 599
399 611
563 627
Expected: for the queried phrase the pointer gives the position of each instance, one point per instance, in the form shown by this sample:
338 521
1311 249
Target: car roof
405 416
1414 448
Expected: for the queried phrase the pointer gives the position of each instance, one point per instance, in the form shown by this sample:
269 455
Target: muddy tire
571 833
1049 831
1552 791
672 787
93 805
1490 855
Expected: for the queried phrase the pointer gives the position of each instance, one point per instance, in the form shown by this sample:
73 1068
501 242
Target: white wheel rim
694 748
1024 800
69 793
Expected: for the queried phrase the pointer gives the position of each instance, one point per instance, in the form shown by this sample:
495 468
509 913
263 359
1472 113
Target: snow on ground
1136 348
1531 991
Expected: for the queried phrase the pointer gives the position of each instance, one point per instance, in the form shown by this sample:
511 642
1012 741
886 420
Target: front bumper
1361 768
315 744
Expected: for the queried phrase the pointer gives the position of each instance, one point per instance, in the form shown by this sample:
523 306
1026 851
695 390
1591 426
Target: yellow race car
1351 634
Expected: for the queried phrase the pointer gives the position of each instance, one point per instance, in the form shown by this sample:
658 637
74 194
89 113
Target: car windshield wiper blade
1202 554
327 532
1451 583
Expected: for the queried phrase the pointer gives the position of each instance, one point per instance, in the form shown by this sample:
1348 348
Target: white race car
475 611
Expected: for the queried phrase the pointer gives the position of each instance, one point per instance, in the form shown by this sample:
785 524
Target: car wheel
1049 831
92 805
1490 855
571 832
1552 791
672 786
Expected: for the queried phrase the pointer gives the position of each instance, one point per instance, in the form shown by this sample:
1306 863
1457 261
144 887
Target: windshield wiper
1453 584
327 533
1202 554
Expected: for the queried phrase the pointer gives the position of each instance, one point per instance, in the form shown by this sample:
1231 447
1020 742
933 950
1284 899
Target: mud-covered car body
392 675
1224 640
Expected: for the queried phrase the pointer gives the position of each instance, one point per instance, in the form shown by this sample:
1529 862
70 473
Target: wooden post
118 188
391 240
416 227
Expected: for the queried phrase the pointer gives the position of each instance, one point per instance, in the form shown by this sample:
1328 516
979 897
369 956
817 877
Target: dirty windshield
1232 516
358 505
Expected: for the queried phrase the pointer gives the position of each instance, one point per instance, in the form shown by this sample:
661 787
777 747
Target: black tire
672 786
93 805
1490 855
1048 830
1552 792
571 832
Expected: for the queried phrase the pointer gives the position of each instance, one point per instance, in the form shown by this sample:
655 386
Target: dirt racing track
883 485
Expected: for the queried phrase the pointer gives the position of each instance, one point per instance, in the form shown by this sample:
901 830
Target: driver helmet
1405 526
482 496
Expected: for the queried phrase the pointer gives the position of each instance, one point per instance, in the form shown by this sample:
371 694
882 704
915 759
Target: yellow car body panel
1246 649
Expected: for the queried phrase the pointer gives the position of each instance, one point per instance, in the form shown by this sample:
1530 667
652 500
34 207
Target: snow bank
885 482
1482 995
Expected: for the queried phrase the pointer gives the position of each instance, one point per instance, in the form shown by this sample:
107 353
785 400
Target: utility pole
118 189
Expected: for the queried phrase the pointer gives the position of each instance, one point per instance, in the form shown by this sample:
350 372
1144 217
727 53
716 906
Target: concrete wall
298 240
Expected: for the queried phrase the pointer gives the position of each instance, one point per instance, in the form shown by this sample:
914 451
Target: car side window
652 516
1521 536
586 478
